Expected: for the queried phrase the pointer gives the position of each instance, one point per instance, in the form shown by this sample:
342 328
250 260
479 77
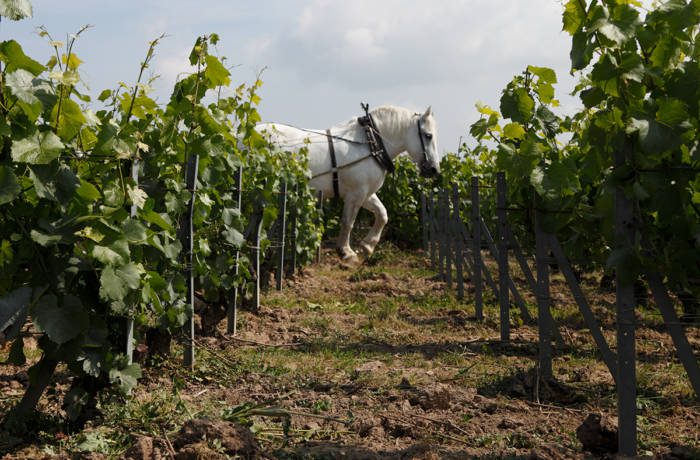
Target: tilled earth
381 361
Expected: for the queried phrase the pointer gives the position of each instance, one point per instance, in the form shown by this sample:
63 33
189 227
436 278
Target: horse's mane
393 118
392 111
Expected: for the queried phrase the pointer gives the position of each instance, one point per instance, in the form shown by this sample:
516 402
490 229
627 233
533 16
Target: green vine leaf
574 16
71 119
116 282
21 83
13 56
63 322
39 148
115 254
672 112
54 182
216 73
126 377
9 187
517 105
514 131
13 308
45 239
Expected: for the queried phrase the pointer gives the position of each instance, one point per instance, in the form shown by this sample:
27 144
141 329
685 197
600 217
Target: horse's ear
428 112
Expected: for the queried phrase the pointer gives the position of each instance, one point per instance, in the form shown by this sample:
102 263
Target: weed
363 274
519 441
322 405
486 440
385 310
320 324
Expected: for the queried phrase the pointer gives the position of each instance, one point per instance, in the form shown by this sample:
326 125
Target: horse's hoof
350 259
366 249
346 254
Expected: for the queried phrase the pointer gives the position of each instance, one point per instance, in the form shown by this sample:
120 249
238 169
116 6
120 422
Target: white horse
359 174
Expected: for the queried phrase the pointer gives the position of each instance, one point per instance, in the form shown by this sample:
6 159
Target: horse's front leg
376 207
351 206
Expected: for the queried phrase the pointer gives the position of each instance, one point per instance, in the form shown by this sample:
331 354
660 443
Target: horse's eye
428 136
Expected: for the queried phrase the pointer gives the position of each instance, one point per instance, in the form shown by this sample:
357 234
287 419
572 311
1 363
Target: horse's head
423 146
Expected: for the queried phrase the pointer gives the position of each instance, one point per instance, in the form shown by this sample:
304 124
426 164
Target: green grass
320 324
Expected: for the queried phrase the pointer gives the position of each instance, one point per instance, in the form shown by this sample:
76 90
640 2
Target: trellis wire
186 235
495 251
675 329
622 364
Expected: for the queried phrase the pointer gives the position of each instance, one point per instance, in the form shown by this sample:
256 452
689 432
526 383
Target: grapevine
74 259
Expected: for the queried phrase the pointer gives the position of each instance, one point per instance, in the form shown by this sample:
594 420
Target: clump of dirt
200 451
438 396
598 434
681 453
331 450
549 452
198 437
369 427
144 449
369 368
527 384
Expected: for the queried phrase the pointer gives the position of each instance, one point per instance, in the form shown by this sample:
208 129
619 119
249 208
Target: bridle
425 164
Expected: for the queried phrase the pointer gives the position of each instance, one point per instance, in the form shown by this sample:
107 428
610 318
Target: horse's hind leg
350 208
373 205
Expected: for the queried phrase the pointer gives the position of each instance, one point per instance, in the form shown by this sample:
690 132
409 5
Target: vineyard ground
378 361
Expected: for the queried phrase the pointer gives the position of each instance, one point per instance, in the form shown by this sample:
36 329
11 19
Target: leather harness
374 139
377 149
334 163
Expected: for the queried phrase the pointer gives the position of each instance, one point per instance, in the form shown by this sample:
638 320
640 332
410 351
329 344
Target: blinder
426 169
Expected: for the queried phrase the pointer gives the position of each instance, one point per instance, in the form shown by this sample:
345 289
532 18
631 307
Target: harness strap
376 144
422 142
334 163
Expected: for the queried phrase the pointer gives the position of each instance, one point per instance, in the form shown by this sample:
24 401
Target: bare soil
382 361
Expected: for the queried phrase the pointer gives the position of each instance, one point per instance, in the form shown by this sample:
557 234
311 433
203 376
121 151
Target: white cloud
172 66
450 54
325 56
360 45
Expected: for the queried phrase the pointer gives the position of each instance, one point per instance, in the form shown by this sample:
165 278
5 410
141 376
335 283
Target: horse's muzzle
427 170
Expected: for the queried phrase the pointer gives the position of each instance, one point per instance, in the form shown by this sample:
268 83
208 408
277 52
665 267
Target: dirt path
379 361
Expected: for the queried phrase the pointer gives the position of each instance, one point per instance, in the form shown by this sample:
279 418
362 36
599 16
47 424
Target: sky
321 58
